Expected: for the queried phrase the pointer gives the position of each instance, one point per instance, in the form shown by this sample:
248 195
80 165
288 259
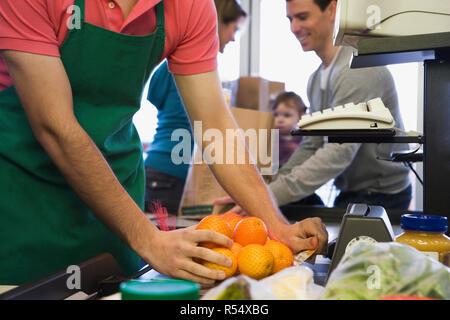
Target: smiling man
307 20
358 174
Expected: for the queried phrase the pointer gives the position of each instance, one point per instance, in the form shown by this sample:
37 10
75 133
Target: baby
287 108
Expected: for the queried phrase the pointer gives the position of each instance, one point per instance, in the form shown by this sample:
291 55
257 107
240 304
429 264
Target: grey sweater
354 166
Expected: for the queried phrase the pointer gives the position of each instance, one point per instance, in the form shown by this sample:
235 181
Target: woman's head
229 15
287 108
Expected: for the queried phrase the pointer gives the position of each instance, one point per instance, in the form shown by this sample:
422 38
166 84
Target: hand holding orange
215 223
229 271
252 253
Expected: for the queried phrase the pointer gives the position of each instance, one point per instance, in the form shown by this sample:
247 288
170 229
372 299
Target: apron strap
80 4
160 15
159 32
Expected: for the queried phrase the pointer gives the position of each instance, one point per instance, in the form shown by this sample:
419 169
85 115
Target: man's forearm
88 173
244 183
203 98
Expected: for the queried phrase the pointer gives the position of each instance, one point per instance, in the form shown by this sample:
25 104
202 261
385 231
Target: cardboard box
202 188
275 88
254 93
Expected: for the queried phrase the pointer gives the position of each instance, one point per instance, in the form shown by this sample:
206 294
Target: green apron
44 226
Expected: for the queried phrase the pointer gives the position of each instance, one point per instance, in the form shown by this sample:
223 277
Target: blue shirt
163 94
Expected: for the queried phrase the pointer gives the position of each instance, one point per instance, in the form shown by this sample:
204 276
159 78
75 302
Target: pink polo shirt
40 26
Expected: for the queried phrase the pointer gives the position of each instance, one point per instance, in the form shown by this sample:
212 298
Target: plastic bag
374 270
293 283
239 288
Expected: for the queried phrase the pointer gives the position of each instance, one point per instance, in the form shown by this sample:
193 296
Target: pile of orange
253 253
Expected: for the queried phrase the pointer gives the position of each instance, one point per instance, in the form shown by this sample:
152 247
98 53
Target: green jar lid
159 289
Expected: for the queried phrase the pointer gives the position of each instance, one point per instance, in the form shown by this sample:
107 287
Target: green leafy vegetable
374 270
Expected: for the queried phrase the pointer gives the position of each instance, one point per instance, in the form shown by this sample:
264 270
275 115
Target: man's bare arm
204 100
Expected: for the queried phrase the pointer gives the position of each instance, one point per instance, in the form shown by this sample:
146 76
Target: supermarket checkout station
101 275
396 37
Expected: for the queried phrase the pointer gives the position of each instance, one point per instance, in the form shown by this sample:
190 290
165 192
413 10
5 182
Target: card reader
360 223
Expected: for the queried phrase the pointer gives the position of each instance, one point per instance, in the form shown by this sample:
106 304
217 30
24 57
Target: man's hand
174 253
307 234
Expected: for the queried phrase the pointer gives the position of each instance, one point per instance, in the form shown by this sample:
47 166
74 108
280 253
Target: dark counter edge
333 215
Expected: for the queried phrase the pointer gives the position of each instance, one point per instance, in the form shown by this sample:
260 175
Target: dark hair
292 99
229 10
321 3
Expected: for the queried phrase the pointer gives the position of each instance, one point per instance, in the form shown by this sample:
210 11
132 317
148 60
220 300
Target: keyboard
372 114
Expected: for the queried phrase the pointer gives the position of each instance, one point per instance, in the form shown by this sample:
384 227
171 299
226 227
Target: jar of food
426 233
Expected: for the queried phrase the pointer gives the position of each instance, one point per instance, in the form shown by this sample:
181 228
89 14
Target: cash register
357 19
360 223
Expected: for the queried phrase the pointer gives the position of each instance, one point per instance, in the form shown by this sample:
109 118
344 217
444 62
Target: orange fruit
249 231
282 255
232 218
229 271
255 261
236 249
215 223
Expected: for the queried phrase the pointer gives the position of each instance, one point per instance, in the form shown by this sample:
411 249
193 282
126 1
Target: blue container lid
423 222
159 289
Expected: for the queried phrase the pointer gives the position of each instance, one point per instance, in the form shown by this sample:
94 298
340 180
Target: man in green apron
71 161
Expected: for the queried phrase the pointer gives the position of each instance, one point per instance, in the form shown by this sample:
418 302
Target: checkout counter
101 275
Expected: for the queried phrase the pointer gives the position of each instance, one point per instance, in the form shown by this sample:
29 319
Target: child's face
286 118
